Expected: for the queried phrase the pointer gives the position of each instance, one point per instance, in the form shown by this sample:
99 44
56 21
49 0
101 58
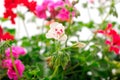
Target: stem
105 18
75 66
55 72
14 66
69 32
25 27
73 72
107 15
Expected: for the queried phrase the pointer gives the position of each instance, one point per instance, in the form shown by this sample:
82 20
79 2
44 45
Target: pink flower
6 63
64 15
57 32
46 3
41 12
54 8
20 68
41 9
16 51
91 1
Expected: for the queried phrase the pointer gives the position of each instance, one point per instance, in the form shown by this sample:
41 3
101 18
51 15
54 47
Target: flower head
41 12
20 68
57 31
62 10
63 15
16 51
12 4
113 38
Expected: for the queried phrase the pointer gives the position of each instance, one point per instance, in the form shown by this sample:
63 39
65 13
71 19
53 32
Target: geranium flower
7 63
57 32
63 15
11 71
41 9
30 5
114 43
5 36
41 12
57 10
12 4
16 51
113 38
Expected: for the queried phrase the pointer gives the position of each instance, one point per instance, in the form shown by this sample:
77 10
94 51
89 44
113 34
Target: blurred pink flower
7 63
63 15
20 68
57 32
41 12
91 1
58 10
41 9
54 7
16 51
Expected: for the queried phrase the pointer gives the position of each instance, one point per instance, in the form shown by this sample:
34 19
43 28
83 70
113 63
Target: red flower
5 36
11 4
114 42
31 5
108 31
10 14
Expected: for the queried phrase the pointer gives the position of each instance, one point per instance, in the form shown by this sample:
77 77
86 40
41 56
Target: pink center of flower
59 32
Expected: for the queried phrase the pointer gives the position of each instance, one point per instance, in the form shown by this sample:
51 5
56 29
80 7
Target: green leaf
3 19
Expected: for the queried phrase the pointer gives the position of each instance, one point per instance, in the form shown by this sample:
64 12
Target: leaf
60 59
3 19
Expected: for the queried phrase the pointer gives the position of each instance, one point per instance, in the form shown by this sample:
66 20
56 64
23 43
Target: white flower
57 31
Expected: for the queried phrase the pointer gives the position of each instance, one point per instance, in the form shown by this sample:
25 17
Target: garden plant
57 51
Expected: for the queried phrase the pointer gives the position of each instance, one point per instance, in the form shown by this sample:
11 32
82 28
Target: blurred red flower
12 4
5 36
113 38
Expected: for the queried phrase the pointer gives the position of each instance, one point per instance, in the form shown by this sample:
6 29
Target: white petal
49 35
63 38
54 24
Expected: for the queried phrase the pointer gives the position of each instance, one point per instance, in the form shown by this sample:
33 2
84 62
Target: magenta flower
57 10
41 9
41 12
54 7
20 68
16 51
64 15
6 63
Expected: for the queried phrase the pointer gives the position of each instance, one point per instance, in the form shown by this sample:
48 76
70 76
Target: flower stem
14 66
68 32
25 27
55 72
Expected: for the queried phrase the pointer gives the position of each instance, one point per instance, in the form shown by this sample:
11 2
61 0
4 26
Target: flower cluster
61 10
5 36
57 32
9 64
113 38
12 4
